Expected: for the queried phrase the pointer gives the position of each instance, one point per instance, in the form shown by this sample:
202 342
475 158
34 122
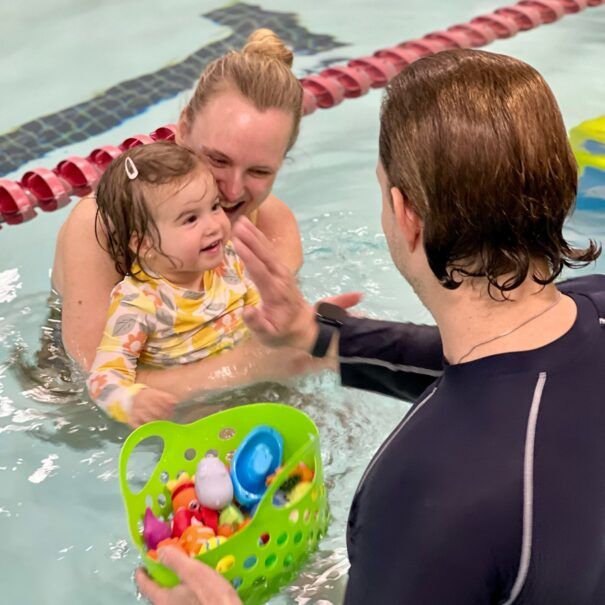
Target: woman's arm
248 363
279 226
84 275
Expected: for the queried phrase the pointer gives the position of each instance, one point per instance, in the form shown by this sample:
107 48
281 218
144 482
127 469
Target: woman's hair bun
267 43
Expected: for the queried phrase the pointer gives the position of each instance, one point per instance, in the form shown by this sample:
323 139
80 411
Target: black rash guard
492 488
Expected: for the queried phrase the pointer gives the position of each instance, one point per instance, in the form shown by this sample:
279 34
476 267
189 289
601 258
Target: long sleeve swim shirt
492 488
155 323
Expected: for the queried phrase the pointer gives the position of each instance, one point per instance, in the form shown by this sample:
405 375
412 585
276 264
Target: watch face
330 311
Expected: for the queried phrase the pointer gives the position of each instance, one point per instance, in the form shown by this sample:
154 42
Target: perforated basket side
255 568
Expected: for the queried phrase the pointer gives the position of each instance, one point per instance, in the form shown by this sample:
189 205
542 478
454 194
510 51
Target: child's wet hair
123 214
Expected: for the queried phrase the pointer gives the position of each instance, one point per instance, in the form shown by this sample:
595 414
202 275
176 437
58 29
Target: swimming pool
61 514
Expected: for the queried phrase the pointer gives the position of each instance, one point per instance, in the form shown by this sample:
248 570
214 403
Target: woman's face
243 146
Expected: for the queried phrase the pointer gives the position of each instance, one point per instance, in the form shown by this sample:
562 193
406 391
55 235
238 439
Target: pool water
62 521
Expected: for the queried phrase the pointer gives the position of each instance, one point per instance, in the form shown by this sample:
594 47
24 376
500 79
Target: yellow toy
588 144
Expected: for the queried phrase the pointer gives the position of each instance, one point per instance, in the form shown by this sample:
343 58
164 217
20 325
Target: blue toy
257 457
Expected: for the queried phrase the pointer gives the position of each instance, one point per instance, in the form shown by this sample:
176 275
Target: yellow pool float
588 144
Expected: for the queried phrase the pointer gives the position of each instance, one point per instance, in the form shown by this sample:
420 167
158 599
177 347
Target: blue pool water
64 536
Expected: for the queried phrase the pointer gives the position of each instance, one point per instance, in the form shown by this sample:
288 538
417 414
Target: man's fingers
261 326
346 300
190 571
257 270
206 586
256 241
149 589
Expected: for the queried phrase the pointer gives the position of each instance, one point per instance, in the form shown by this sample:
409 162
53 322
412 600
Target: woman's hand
200 585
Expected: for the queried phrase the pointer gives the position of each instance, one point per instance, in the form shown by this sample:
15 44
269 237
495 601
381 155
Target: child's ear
145 248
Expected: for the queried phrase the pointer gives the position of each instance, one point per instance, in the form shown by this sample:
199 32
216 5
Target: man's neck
473 325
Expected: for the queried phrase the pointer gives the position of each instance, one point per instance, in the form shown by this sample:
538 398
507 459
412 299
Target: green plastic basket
255 568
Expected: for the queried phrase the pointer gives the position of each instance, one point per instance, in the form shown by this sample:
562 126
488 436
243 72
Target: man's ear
408 222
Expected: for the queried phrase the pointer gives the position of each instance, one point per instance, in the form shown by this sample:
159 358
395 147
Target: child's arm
111 383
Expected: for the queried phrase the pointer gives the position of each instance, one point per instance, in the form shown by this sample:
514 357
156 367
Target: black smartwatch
329 318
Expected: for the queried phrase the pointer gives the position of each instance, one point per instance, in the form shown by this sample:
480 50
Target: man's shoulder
592 286
585 284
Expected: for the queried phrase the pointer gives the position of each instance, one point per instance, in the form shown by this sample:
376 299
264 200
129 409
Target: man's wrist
329 319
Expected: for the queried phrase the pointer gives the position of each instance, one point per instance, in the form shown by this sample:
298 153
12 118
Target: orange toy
302 471
182 492
194 537
153 554
226 530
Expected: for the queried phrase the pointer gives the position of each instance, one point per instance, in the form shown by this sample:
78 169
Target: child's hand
151 404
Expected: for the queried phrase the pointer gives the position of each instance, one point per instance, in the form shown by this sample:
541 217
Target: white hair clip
131 169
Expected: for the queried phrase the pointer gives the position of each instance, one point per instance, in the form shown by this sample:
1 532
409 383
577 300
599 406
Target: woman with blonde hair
242 120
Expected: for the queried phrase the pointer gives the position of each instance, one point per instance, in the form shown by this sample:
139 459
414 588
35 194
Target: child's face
193 226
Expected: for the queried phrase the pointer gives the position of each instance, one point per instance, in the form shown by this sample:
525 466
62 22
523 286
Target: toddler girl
185 290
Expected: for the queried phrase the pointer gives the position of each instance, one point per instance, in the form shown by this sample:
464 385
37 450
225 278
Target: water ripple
47 469
9 284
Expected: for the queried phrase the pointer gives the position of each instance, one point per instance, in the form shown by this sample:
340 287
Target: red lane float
76 176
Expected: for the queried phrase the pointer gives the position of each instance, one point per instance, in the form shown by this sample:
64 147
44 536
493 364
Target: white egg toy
213 486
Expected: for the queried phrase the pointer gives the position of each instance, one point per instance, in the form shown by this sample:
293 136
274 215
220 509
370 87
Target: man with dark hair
491 488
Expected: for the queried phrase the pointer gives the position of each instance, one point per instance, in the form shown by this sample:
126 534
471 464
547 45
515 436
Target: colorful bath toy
299 491
182 492
152 554
194 537
181 521
258 455
231 516
212 543
154 530
213 485
209 518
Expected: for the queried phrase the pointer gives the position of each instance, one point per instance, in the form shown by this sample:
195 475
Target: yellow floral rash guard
155 323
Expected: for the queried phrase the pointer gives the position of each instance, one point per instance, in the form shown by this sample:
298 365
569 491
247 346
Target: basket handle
146 431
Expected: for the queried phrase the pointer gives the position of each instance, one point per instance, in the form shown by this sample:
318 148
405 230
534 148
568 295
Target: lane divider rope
48 189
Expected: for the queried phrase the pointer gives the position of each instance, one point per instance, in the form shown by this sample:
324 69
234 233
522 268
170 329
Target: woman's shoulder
79 227
79 249
83 212
274 210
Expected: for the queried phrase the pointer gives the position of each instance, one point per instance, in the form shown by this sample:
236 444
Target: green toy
256 566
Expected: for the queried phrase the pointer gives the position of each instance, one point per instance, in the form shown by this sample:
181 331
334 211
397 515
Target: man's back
493 483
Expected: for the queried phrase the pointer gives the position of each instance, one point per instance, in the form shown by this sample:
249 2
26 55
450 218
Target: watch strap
324 338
